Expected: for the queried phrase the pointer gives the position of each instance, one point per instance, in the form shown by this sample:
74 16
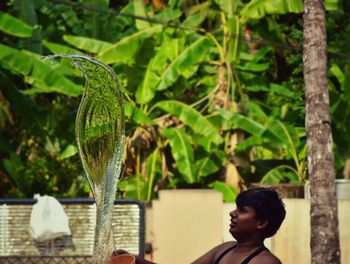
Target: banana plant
272 139
191 77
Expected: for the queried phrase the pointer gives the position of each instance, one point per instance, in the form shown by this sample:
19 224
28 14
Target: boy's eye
241 210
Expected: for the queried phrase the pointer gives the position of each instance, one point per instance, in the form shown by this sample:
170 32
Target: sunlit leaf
277 175
68 152
331 5
135 186
281 90
38 72
60 49
259 8
234 29
168 14
338 73
235 120
256 9
253 67
87 44
283 135
14 26
229 193
252 141
124 50
154 171
136 114
146 90
191 56
140 11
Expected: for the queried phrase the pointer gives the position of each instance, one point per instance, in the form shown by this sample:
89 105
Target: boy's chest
235 258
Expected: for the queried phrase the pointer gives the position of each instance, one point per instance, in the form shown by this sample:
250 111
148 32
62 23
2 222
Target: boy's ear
262 224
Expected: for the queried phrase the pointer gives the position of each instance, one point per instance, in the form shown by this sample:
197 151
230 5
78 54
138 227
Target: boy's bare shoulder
265 257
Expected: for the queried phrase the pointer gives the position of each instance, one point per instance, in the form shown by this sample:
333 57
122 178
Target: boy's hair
268 207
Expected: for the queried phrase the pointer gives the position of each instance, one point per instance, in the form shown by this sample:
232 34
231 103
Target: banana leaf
123 52
252 141
234 43
229 193
168 15
194 20
204 142
94 21
26 11
154 172
184 63
147 89
234 120
211 163
136 114
281 90
87 44
140 11
135 186
191 118
182 152
60 49
68 152
253 67
14 26
168 50
281 134
37 72
256 9
278 174
256 112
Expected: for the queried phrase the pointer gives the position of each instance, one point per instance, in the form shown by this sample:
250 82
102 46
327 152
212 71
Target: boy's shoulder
265 257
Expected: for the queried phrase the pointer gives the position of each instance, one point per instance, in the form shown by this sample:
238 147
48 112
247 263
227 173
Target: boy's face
244 222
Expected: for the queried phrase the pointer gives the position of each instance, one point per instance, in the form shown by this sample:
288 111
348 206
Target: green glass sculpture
99 129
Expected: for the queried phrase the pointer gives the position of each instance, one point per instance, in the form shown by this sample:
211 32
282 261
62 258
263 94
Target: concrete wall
184 224
292 242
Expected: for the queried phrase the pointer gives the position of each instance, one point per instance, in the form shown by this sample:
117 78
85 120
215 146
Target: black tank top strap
223 254
255 253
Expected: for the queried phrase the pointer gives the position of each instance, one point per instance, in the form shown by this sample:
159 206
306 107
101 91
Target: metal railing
16 245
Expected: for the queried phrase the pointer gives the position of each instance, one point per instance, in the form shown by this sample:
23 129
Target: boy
259 214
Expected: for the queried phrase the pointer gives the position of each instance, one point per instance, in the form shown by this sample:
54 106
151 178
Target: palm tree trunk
324 211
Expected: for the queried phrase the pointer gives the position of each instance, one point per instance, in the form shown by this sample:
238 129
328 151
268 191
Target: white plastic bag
48 219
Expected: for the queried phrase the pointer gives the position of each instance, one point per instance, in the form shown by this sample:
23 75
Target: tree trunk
324 211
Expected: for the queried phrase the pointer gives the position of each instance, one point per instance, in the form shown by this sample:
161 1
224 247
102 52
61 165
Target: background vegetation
213 92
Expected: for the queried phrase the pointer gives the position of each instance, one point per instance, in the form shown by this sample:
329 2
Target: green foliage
14 26
182 152
199 97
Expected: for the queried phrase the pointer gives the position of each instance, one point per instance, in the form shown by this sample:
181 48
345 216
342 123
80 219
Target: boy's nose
233 213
